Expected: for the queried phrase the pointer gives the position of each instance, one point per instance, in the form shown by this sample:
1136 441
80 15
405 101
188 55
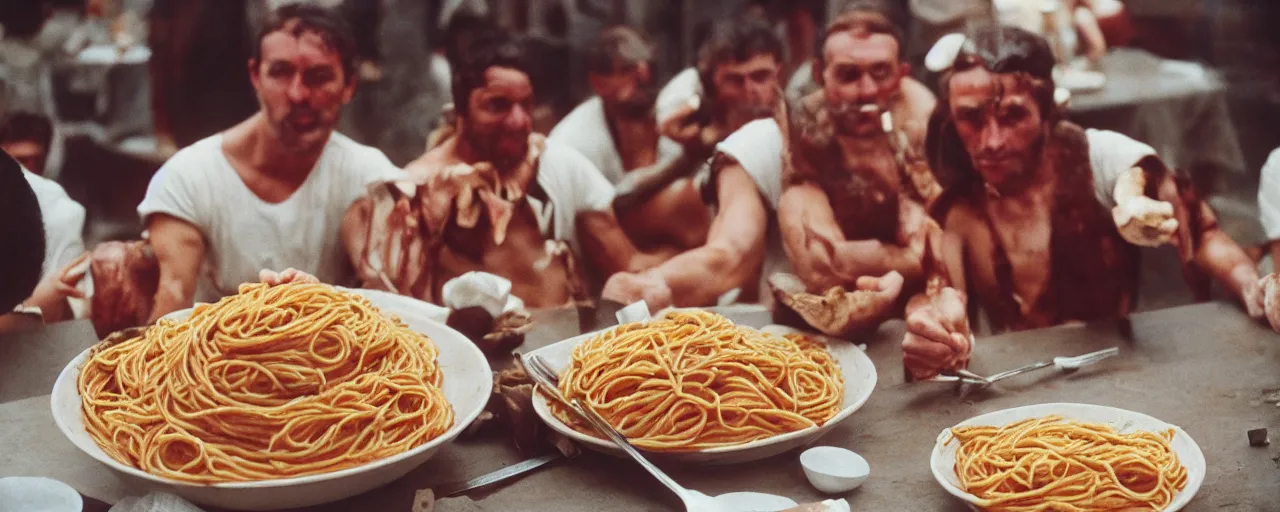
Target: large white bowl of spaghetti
1065 456
746 394
278 397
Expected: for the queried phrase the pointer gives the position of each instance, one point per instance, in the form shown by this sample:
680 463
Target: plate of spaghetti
692 387
276 397
1076 457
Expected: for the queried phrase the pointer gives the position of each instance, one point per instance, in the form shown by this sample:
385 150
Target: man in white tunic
270 192
617 132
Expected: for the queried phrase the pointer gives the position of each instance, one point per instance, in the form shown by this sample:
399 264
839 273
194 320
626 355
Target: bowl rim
1064 409
542 403
71 372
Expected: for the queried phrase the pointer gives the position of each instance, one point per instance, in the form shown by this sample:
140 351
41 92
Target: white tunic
244 234
586 130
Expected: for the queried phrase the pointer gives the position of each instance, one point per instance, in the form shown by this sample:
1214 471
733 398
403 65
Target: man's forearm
859 258
171 295
1223 259
639 186
701 276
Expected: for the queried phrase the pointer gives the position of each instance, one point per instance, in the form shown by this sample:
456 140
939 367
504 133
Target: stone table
1206 368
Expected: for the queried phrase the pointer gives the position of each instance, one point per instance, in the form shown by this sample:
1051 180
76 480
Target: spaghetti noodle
693 380
275 382
1052 464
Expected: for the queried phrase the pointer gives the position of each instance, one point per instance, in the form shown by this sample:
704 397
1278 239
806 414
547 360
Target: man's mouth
869 108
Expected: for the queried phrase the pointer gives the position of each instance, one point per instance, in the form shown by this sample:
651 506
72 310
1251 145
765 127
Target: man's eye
280 70
1013 115
499 104
848 75
762 76
317 77
880 72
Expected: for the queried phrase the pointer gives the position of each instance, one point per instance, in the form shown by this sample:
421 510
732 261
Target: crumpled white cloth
155 502
481 289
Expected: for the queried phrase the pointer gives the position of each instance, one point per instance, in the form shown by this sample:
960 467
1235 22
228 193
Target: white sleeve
591 189
757 146
367 165
682 87
63 223
1110 155
179 190
1269 196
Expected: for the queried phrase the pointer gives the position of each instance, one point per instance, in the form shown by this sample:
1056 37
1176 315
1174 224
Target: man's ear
904 70
253 74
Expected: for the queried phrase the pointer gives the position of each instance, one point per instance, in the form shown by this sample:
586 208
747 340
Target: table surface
1137 77
1207 368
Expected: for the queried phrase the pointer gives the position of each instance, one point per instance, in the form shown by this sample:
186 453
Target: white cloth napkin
481 289
155 502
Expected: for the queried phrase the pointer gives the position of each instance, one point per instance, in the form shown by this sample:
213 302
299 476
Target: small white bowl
37 494
834 470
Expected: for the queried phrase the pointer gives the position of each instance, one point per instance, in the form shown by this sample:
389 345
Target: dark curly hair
21 235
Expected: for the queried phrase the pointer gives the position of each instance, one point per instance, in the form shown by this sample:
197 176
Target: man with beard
493 197
857 186
617 132
271 191
739 68
1043 219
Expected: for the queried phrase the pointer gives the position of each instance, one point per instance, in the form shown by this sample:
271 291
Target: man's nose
518 119
993 138
298 91
867 89
643 73
760 92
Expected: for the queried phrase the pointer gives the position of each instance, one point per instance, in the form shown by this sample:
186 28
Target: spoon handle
605 428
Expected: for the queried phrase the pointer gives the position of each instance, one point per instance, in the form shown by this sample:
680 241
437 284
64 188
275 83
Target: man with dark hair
617 132
493 197
1043 219
738 66
22 236
734 82
26 137
271 191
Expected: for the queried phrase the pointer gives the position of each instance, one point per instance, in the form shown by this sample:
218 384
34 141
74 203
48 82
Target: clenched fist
626 288
938 336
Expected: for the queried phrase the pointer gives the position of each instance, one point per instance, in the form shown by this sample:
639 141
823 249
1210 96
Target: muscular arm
640 185
823 258
179 249
944 254
734 250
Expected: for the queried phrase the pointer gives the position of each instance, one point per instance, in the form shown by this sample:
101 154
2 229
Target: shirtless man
739 65
1042 219
493 197
854 197
616 130
271 191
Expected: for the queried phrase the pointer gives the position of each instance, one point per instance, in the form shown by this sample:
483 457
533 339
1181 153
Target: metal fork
1061 363
548 380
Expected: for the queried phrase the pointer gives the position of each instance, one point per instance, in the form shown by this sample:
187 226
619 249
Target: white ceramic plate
859 381
944 451
467 384
37 494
